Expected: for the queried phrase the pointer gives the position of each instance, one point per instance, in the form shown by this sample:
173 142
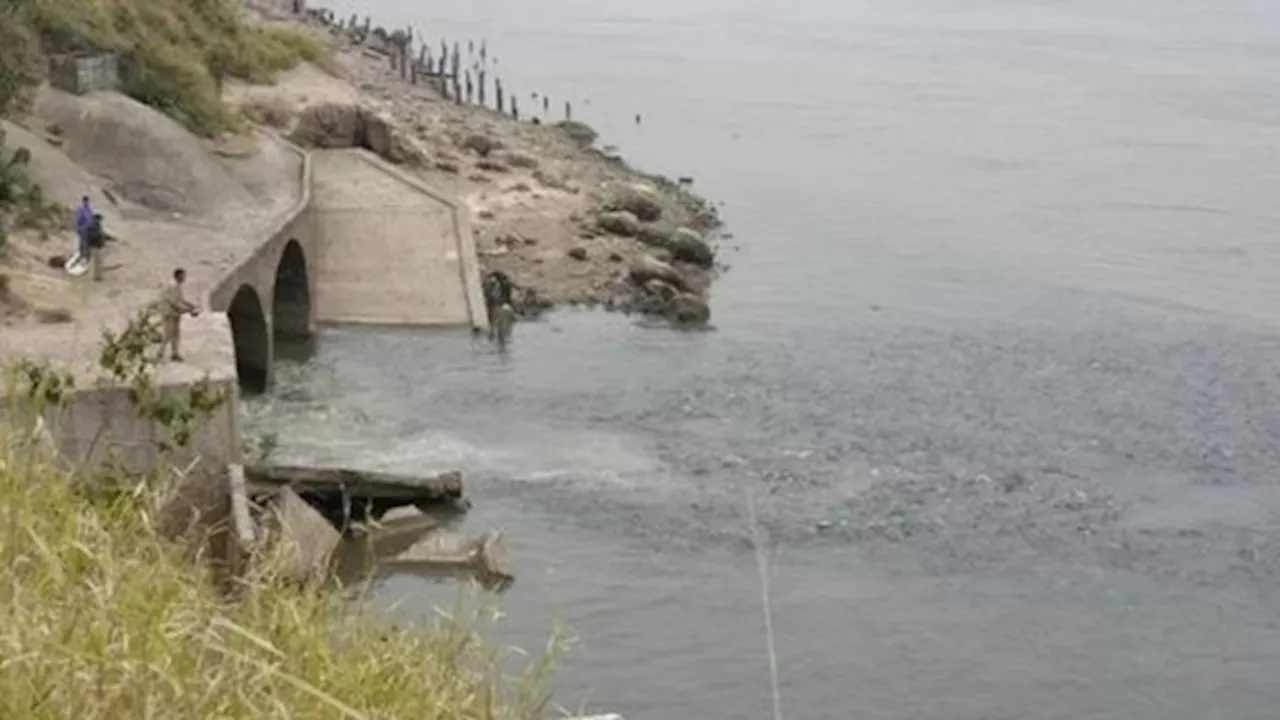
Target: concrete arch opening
253 346
291 299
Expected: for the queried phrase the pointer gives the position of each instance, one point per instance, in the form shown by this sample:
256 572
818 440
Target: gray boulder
639 200
689 246
619 223
688 309
660 289
647 268
338 125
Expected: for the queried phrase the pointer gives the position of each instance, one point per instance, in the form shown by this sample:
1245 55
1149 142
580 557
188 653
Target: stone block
85 73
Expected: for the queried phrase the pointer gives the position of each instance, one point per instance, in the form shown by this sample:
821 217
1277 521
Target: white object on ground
76 265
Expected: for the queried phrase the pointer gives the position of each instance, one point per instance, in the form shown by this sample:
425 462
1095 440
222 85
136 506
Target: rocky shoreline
568 222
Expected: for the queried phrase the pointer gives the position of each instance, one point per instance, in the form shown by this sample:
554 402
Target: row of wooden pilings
472 80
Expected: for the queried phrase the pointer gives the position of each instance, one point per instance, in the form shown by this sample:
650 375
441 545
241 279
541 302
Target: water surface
996 358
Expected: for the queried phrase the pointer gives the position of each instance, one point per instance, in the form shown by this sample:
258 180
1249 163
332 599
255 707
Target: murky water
997 358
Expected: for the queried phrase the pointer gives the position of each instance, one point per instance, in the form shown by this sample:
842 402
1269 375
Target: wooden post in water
480 87
405 57
497 89
457 61
546 104
457 90
568 111
469 88
515 108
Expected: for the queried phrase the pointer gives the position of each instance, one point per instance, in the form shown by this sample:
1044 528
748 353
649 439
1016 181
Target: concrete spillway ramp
389 249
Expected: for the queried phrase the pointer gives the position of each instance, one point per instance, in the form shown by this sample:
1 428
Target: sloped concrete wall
387 249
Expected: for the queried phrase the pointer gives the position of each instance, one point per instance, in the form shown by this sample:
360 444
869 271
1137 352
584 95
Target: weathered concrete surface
409 489
198 512
98 424
388 249
428 545
348 497
302 542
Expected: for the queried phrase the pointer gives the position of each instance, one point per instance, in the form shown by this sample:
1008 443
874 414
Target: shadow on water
295 348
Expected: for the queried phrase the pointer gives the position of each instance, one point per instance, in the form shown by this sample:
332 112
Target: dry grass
100 618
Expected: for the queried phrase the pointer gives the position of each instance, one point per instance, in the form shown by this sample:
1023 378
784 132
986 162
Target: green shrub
175 53
19 63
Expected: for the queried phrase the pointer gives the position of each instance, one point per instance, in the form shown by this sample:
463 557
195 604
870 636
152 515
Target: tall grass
175 53
100 617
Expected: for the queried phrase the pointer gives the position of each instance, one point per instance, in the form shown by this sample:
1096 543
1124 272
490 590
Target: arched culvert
253 346
291 300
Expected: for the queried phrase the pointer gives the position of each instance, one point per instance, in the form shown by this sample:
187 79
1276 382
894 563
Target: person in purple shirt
84 222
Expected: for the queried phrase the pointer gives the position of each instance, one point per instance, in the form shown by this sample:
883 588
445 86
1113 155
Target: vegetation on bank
102 616
174 53
23 204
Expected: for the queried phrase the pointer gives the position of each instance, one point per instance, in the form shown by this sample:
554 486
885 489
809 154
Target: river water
996 359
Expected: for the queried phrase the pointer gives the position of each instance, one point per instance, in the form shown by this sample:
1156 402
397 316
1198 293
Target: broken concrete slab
302 541
428 545
447 553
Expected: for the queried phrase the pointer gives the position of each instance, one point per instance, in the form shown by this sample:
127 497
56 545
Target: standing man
84 223
97 242
503 320
496 288
172 307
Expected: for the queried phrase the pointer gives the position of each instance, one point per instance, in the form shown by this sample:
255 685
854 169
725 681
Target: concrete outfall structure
258 257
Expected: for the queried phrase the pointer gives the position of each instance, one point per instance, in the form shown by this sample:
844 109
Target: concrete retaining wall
100 427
